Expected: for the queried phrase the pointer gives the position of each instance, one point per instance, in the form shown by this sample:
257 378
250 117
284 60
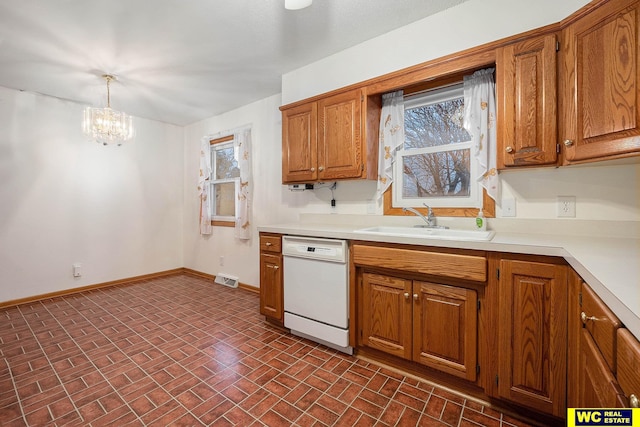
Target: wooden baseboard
129 280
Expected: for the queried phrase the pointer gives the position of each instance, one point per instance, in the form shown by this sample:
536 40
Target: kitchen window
225 180
435 166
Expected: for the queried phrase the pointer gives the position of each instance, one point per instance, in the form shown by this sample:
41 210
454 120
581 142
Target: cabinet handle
633 401
568 142
313 169
585 318
268 244
321 168
275 267
509 150
406 295
415 297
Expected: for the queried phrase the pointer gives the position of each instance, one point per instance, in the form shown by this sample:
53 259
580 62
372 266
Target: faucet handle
429 211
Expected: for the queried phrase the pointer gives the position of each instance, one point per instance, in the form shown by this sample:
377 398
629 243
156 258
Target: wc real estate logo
603 417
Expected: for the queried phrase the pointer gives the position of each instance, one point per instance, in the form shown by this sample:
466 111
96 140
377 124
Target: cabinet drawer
457 266
270 243
628 360
601 323
598 387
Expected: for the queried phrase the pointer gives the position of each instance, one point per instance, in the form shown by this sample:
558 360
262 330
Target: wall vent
226 280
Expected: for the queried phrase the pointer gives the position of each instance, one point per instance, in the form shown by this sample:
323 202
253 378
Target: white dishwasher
316 290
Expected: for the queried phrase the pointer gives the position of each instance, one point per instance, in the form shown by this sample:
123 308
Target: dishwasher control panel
315 248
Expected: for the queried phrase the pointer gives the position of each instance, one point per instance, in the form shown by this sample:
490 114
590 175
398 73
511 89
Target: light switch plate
508 207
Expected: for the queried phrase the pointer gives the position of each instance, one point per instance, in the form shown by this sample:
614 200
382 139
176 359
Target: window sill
489 210
223 223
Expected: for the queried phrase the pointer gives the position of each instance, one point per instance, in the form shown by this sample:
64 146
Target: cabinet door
533 335
339 136
445 328
386 314
601 83
271 288
628 362
527 97
299 143
598 387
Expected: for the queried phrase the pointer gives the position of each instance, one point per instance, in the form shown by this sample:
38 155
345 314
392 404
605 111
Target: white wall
464 26
202 253
116 210
601 192
132 210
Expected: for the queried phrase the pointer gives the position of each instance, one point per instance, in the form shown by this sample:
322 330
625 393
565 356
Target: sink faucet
430 219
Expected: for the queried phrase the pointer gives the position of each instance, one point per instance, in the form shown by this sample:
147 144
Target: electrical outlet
508 207
566 207
221 261
77 269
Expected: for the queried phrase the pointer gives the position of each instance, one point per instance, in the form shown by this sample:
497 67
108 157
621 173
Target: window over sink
435 165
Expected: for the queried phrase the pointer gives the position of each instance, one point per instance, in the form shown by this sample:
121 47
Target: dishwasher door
317 290
316 279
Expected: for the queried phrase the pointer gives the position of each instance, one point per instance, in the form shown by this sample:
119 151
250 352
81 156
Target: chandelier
107 126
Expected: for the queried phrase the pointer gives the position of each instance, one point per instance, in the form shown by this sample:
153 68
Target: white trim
213 182
431 97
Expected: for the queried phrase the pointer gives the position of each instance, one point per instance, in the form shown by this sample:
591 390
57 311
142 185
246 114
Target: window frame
488 204
222 220
433 96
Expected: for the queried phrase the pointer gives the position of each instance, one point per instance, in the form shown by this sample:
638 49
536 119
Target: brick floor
181 351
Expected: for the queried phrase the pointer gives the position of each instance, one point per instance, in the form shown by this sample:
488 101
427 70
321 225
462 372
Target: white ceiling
180 61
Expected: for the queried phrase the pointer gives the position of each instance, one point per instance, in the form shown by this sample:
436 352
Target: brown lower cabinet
532 330
605 354
598 387
522 329
271 284
453 321
429 323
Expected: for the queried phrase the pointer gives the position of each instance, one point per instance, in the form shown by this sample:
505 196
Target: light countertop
610 265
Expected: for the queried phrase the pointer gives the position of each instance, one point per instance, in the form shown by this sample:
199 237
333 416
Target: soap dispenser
481 222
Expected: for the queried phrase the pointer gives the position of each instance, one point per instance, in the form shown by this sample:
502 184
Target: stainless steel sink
429 233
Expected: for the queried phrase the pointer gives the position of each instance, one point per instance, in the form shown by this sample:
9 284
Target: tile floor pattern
181 351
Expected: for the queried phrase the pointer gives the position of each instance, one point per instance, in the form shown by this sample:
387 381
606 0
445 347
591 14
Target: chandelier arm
108 78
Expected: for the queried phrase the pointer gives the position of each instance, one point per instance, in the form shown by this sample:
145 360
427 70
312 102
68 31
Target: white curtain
204 186
391 137
480 122
243 216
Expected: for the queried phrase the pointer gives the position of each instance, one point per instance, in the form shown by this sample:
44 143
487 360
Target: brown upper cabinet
566 93
526 96
599 83
325 140
300 143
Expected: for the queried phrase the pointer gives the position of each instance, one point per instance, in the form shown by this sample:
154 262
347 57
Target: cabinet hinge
497 380
557 148
478 305
361 167
498 274
477 369
580 299
557 46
